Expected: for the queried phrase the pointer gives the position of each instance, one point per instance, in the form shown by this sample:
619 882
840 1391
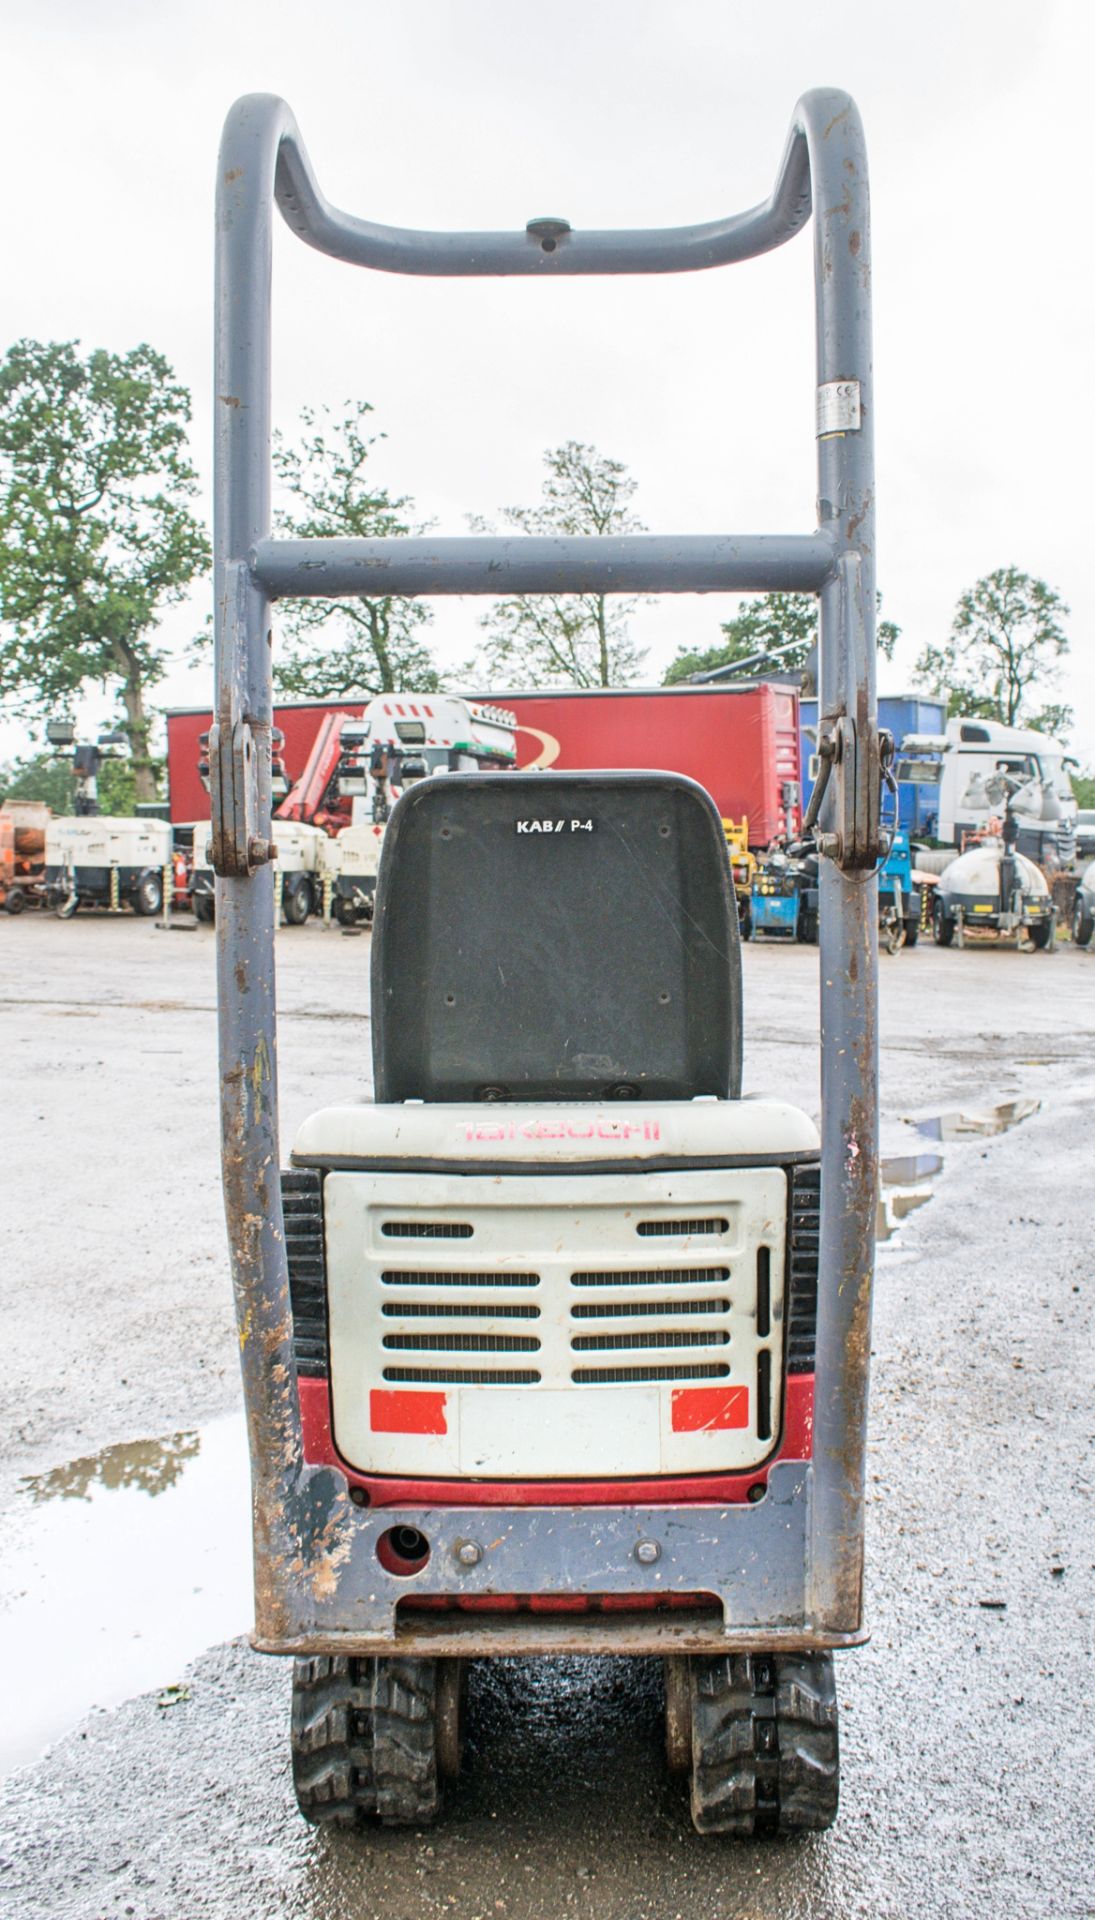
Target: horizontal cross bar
624 563
547 246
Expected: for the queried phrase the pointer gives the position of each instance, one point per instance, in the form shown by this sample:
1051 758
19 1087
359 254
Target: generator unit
105 860
558 1343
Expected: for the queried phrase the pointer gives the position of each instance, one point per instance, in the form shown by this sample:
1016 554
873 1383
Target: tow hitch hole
403 1551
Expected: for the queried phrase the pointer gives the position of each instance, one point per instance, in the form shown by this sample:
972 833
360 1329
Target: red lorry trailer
740 742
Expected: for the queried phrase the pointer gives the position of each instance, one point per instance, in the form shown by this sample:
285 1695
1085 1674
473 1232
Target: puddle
904 1184
905 1180
959 1126
118 1570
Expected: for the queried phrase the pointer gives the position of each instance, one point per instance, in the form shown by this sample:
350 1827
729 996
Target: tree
774 620
346 646
41 776
579 640
96 536
1006 638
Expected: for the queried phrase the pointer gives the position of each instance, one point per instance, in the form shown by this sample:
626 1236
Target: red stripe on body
403 1490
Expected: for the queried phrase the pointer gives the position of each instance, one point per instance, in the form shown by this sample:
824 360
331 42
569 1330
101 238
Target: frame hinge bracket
239 846
855 757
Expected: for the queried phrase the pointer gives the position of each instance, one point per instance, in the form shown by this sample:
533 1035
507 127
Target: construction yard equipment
743 866
992 888
105 860
899 896
776 899
1083 912
23 825
560 1345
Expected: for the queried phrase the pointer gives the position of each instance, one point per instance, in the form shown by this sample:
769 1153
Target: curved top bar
659 250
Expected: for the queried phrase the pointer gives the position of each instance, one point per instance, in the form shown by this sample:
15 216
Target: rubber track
332 1739
405 1741
765 1757
364 1740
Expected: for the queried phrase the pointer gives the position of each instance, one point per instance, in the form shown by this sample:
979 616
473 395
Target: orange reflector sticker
709 1409
402 1412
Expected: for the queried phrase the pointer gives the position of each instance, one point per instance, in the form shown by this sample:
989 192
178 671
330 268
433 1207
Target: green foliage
118 785
346 646
41 776
96 536
1005 641
580 640
774 620
1083 786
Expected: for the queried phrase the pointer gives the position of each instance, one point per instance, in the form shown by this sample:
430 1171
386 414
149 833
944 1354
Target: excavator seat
560 936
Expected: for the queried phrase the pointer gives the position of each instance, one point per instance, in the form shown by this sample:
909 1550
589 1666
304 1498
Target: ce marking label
554 826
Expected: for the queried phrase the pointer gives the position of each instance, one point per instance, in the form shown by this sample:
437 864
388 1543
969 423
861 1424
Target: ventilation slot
463 1376
622 1376
302 1207
764 1292
804 1233
458 1310
652 1277
645 1309
764 1394
461 1343
679 1229
426 1230
460 1279
586 1342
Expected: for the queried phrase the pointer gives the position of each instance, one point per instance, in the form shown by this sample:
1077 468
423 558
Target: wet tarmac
968 1765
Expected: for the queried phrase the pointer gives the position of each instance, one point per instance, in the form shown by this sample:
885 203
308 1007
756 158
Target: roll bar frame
318 1584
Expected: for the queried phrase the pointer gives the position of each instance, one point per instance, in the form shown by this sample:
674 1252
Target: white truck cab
972 752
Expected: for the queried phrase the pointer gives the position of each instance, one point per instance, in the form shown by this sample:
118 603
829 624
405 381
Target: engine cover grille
566 1325
302 1206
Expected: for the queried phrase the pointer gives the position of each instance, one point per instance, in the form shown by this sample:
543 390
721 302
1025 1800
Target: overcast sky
484 113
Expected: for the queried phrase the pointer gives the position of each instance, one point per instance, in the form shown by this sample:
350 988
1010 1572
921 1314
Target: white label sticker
838 407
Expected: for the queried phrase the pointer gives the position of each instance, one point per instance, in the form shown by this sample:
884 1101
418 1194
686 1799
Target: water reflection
151 1465
118 1569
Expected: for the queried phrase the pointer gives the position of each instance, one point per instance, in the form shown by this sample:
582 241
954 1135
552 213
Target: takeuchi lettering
493 1131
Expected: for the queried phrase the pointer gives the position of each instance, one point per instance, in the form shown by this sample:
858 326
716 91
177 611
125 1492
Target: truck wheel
765 1752
374 1737
148 896
297 903
807 927
344 912
204 909
1041 936
1083 926
912 930
942 926
16 900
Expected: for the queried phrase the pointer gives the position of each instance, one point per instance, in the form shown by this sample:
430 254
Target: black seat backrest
567 936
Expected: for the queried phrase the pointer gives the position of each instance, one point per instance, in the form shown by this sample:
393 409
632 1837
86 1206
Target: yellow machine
743 865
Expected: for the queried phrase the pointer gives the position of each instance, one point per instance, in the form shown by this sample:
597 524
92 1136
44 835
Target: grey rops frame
788 1571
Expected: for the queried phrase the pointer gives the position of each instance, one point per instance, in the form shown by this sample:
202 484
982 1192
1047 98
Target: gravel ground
968 1766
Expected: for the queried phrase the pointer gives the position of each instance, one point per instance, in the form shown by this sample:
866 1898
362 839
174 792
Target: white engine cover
543 1324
